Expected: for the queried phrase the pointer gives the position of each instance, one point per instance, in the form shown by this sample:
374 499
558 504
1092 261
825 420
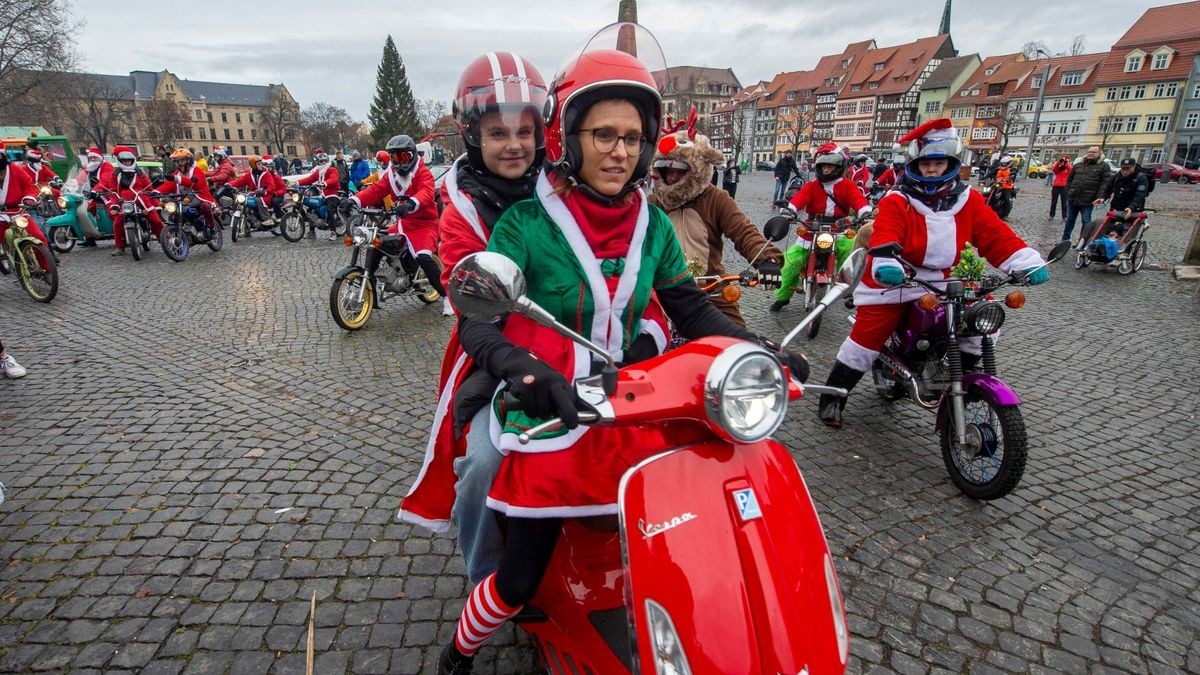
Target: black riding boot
830 407
454 663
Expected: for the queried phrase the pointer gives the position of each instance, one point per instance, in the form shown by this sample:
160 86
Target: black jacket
785 168
1127 192
1086 182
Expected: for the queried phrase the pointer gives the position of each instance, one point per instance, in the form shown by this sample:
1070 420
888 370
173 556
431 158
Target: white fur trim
856 356
552 511
654 330
1023 259
463 202
435 526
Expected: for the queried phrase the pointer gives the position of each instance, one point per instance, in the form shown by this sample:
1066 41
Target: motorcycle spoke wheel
815 326
235 226
991 463
174 243
292 228
36 271
347 311
61 239
217 239
133 241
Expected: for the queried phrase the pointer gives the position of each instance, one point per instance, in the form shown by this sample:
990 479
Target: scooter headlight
21 221
668 653
128 208
984 318
825 241
62 202
169 207
745 393
241 199
45 192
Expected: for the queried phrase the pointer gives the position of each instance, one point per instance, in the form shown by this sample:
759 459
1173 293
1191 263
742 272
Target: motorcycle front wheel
36 271
235 226
174 242
992 461
61 239
347 311
217 239
815 326
133 240
292 228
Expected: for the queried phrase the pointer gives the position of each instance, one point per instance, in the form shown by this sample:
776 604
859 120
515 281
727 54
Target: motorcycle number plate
747 504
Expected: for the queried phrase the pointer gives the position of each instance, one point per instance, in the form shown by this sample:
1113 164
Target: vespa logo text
651 529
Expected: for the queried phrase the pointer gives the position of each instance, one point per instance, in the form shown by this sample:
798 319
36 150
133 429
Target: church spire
945 27
627 11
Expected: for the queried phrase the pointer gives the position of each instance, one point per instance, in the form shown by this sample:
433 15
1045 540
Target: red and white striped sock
483 615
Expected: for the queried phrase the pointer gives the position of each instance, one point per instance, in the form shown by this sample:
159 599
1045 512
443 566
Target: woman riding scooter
589 228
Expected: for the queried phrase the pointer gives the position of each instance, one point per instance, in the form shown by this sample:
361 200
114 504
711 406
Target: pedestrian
1085 184
1058 184
343 169
9 365
803 172
297 165
358 170
281 165
783 171
729 181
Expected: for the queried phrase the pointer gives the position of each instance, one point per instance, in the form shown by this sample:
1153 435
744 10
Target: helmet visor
630 38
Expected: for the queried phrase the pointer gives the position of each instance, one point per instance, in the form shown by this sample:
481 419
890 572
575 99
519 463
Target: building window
1160 61
187 133
199 114
960 113
874 85
1133 64
254 134
996 89
250 117
224 118
1056 104
847 108
237 117
1110 94
983 133
1126 92
241 135
1157 122
1080 103
864 128
1072 78
203 135
1139 91
878 67
255 149
226 134
1192 120
212 133
244 150
856 87
1035 82
1027 107
1075 126
932 106
791 96
866 107
1166 89
987 111
1052 128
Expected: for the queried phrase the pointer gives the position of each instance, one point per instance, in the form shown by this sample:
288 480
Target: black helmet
860 158
403 151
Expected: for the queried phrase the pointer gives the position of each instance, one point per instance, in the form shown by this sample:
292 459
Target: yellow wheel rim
355 320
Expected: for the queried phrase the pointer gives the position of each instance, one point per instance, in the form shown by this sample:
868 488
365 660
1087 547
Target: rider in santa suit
126 183
17 189
191 177
932 215
410 183
324 172
831 195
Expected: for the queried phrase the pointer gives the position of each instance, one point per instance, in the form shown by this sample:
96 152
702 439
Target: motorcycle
354 292
979 420
49 206
716 561
183 226
247 212
1000 199
306 205
138 234
26 255
832 240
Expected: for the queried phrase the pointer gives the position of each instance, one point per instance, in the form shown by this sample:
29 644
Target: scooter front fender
993 387
726 541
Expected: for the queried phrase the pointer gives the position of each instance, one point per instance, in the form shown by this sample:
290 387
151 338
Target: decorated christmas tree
970 266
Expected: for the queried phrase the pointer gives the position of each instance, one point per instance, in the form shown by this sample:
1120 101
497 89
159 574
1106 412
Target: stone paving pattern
173 411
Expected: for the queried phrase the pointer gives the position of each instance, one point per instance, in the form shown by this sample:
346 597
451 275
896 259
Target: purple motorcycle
978 414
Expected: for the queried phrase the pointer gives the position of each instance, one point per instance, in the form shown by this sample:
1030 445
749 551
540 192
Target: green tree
394 110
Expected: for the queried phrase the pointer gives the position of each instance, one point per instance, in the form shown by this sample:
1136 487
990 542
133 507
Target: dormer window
874 85
845 63
1035 82
1072 78
856 87
989 71
878 67
1133 63
1161 61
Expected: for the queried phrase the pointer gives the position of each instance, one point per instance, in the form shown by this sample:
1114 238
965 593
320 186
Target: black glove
643 347
157 180
796 364
769 274
406 207
346 207
542 390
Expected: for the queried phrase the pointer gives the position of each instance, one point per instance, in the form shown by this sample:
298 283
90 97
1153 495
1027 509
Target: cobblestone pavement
197 449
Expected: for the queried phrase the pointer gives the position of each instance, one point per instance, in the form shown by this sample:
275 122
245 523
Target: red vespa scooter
717 562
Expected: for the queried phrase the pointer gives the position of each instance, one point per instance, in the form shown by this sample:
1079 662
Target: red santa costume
15 189
323 172
128 183
887 179
38 170
420 227
861 175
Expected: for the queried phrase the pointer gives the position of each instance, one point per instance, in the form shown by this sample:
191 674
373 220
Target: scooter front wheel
990 464
61 239
344 305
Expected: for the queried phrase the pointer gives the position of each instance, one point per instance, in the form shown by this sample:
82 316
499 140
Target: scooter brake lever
529 435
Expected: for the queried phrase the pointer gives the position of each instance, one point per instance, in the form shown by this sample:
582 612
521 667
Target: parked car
765 166
1178 173
1037 170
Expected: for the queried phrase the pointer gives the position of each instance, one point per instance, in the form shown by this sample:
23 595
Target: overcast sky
328 50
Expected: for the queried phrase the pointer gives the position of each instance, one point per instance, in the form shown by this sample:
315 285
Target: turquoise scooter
77 223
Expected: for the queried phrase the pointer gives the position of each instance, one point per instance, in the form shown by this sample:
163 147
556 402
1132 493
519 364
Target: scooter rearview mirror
777 228
486 285
851 271
1059 251
888 250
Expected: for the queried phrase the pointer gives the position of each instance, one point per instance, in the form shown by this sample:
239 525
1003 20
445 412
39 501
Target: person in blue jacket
359 169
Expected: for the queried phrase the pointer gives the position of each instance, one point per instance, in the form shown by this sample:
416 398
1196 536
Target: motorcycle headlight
987 190
668 652
128 207
21 221
745 393
62 202
187 200
241 199
295 197
45 192
825 241
360 236
984 317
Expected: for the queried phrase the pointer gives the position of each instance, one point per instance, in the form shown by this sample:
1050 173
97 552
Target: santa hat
937 130
33 155
94 152
267 158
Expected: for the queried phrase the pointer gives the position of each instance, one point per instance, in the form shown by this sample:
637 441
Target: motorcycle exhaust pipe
910 383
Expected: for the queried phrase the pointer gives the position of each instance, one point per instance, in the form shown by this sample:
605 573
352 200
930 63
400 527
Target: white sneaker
10 367
333 236
447 310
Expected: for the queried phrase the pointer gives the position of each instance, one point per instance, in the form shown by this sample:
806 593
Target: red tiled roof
1112 71
1007 69
1163 24
1059 66
853 53
895 69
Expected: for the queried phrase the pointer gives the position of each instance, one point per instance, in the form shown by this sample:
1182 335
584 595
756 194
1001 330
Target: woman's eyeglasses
605 140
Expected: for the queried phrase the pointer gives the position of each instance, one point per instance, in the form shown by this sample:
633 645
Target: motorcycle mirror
888 250
1058 251
851 271
486 285
777 228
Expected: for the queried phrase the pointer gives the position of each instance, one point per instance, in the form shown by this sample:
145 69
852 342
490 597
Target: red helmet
498 82
382 157
606 69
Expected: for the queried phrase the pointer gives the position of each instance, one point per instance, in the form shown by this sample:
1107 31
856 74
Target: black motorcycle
183 226
1000 199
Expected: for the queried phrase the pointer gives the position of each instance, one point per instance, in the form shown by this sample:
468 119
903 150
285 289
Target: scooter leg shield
724 549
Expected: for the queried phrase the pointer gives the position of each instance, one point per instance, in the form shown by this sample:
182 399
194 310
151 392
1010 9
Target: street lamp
1037 111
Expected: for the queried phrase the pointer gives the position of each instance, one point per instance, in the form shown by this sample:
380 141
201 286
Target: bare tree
1030 49
99 108
35 37
429 112
797 123
1078 44
1012 122
165 121
1110 122
741 131
280 121
326 126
